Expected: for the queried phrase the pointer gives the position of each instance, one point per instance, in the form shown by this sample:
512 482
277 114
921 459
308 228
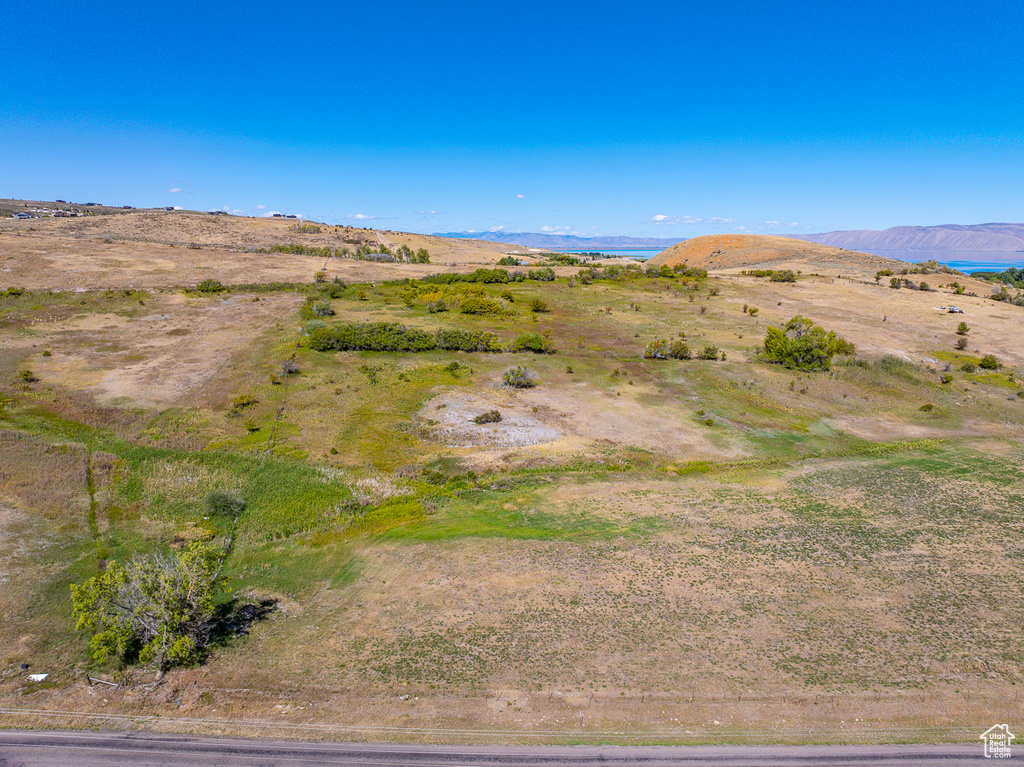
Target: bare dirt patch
163 356
565 421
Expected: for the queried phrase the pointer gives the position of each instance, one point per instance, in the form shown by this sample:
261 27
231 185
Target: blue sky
590 118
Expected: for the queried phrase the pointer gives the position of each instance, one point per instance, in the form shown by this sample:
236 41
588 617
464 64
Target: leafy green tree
802 345
962 329
154 609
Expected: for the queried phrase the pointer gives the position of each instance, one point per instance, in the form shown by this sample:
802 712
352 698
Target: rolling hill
739 251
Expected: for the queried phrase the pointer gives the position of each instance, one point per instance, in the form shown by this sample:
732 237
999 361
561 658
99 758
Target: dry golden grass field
640 549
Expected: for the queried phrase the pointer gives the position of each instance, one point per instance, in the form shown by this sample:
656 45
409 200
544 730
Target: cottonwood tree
154 609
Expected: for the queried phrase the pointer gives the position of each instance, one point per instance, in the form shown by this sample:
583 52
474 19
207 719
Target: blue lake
962 260
616 253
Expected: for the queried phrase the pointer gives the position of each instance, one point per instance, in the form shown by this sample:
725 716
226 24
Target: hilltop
147 248
742 251
1007 238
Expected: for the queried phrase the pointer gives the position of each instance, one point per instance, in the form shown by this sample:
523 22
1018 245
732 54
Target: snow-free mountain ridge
954 237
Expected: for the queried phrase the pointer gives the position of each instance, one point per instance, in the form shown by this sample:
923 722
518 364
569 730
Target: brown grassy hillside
742 251
157 248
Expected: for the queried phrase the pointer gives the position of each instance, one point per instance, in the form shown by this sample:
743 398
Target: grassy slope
789 555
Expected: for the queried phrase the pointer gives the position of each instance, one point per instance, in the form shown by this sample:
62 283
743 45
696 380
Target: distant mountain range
990 237
566 241
1002 238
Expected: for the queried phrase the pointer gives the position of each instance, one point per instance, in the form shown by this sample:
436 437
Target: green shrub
544 274
961 343
223 503
518 378
210 286
484 276
479 305
313 325
962 329
371 336
508 261
708 353
538 306
989 362
783 275
802 345
491 416
679 350
657 350
467 341
244 401
27 376
323 309
530 342
968 367
947 379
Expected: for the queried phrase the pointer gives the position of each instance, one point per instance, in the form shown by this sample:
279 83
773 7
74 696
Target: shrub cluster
467 341
479 305
484 276
662 350
802 345
395 337
223 503
518 378
530 342
210 286
491 416
784 275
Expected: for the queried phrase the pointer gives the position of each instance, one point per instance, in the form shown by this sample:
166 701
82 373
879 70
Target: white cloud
662 218
174 190
270 213
495 228
360 217
520 196
430 212
556 229
772 223
793 223
261 207
739 228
